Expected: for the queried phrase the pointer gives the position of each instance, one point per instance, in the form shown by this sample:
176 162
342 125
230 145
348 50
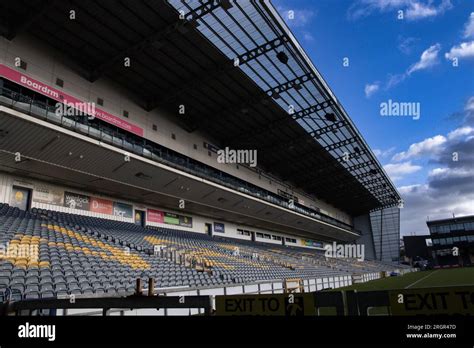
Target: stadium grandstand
113 118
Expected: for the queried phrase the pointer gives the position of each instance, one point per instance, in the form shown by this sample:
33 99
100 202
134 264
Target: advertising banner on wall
158 216
171 219
185 221
102 206
19 197
48 195
312 243
124 210
76 201
219 227
153 215
59 96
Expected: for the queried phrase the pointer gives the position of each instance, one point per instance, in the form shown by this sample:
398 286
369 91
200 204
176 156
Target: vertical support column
139 287
151 287
381 233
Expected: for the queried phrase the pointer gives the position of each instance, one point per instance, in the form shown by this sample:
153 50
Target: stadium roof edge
293 40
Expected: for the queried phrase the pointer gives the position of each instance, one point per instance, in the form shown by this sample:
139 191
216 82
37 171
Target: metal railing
145 148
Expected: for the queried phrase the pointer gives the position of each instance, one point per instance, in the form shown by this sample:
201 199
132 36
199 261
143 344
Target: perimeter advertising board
266 305
433 301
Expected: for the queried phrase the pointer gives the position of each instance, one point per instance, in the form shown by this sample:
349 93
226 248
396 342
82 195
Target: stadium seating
52 253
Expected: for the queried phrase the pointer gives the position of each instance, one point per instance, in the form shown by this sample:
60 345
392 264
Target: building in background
453 241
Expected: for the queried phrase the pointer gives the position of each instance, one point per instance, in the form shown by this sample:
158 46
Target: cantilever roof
250 24
285 110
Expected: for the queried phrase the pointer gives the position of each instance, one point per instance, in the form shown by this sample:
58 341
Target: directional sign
279 304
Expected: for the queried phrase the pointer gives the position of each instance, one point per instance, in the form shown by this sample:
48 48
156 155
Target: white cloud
470 104
405 45
383 153
449 185
469 27
464 50
442 173
428 58
394 80
307 36
460 132
370 89
410 188
296 17
427 146
419 10
413 9
422 202
396 171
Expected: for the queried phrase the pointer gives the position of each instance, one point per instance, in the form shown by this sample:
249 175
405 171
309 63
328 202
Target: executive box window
243 232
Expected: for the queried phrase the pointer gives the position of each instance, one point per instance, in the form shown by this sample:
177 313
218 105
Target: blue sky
404 51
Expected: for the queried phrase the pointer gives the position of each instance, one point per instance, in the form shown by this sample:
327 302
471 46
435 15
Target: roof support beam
372 181
339 144
187 21
329 128
209 75
297 82
349 156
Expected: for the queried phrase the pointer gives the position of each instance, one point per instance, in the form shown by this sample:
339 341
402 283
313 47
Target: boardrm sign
53 93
